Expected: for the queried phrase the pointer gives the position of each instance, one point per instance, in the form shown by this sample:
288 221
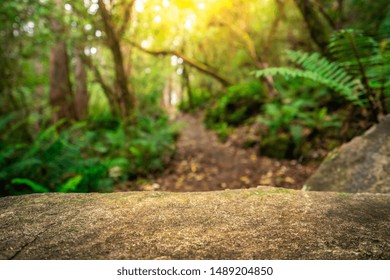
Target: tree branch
108 91
325 15
191 62
126 18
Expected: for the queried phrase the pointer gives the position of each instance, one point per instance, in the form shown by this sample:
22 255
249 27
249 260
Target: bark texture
124 96
81 93
61 96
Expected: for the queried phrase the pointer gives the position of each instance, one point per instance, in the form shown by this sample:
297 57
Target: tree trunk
125 97
187 85
61 97
81 93
318 31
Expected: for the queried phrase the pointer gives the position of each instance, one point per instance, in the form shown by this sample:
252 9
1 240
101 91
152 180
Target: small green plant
151 145
200 99
240 103
290 120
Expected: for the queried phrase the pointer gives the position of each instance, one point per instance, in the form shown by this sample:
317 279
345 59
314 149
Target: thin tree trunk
125 97
81 93
318 31
61 97
187 85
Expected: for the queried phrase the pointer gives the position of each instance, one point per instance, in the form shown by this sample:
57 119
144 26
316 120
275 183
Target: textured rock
241 224
362 165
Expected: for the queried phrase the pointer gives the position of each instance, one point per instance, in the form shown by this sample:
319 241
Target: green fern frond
384 28
363 57
353 51
37 188
328 70
5 120
343 84
71 184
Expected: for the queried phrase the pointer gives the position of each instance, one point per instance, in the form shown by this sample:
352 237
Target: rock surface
362 165
233 224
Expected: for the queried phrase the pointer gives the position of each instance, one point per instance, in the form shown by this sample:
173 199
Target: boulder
234 224
362 165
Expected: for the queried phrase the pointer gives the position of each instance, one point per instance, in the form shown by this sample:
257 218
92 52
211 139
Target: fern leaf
384 29
5 120
71 184
34 186
340 86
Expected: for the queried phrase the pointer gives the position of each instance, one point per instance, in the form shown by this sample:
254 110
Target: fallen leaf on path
245 179
289 180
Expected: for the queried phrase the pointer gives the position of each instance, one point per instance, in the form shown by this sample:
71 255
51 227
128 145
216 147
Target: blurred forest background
88 88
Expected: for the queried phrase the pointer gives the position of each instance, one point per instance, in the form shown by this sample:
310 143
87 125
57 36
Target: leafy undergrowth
83 158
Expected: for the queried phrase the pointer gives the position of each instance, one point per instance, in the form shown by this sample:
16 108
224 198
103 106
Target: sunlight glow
87 27
87 51
93 9
165 3
174 60
189 24
28 28
98 33
177 41
30 24
157 19
68 7
90 51
202 6
174 98
146 43
139 6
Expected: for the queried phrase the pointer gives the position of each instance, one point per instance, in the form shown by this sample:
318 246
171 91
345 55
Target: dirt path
202 163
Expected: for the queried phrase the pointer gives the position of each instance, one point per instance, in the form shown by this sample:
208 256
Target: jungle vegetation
87 88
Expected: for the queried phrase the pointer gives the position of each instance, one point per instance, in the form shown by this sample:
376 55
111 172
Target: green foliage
360 70
83 158
201 99
369 61
37 188
240 103
320 70
52 162
151 145
292 119
222 130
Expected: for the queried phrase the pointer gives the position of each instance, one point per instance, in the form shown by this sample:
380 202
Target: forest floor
203 163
